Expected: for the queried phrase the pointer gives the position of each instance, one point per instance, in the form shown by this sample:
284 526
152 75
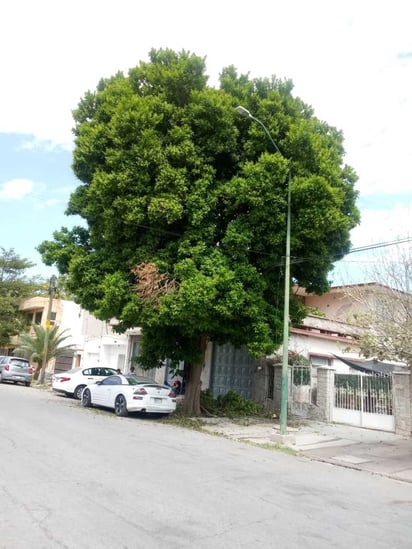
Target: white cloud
15 189
32 143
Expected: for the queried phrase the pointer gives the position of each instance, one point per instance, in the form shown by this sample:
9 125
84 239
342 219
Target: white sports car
130 393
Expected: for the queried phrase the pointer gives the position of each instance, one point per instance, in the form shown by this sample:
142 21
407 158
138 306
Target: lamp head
243 112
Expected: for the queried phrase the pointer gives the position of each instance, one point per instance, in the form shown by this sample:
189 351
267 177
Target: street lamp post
285 358
52 291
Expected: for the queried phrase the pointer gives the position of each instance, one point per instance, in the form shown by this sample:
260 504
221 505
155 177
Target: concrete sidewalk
377 452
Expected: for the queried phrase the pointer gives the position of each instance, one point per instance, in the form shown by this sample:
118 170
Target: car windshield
138 380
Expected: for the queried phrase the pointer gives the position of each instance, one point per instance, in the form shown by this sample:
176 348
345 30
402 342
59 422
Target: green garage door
232 370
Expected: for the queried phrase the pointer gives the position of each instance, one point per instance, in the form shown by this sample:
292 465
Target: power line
296 260
380 245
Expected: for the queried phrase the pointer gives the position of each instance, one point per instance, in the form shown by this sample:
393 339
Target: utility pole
52 291
285 359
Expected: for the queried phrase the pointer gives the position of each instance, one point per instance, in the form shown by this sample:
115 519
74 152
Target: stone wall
402 403
323 409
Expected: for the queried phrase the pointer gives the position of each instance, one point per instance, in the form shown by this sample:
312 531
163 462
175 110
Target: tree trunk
191 401
42 373
37 372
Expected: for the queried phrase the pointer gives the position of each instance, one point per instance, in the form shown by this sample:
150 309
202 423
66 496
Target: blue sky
351 60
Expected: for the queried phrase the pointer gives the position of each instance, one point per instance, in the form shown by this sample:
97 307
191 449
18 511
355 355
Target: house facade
226 368
324 340
95 342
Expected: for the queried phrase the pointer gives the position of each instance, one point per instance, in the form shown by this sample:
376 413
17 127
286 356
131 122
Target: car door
108 390
88 377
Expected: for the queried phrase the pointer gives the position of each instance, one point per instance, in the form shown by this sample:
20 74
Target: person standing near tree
177 386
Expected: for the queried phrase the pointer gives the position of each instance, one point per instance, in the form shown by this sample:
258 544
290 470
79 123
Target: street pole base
287 440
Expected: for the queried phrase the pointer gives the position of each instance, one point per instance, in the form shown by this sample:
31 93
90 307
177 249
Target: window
320 360
112 380
37 317
102 372
317 361
107 372
20 362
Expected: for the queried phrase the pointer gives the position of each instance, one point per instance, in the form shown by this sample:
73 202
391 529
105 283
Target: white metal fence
364 400
371 394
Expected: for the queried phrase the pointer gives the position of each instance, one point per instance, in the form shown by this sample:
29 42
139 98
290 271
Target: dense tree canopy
176 184
15 286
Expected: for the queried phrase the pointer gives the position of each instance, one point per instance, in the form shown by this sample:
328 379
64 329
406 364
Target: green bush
230 405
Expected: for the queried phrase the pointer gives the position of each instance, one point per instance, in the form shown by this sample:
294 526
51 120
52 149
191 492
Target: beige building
95 341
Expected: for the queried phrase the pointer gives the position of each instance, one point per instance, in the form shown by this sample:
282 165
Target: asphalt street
79 478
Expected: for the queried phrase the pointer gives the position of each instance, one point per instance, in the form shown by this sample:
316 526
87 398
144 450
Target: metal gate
300 390
364 400
232 370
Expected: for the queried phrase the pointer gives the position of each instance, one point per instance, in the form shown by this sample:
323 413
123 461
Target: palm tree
45 344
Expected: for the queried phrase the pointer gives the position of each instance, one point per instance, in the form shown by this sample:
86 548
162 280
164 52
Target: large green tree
185 208
15 286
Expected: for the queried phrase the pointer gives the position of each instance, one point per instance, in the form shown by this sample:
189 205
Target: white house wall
71 320
309 346
94 340
109 351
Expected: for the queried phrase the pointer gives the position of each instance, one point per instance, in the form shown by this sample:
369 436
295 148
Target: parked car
130 393
15 369
72 382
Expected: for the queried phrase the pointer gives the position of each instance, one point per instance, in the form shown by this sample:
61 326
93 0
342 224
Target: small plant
230 405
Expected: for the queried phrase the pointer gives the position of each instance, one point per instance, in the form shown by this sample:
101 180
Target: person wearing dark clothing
177 386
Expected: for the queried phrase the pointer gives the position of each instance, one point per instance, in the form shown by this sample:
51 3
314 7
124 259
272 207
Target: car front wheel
120 407
78 392
86 398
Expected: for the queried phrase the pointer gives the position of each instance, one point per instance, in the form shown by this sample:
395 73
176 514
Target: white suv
72 382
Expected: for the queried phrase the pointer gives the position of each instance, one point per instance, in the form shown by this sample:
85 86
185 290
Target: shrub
230 405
